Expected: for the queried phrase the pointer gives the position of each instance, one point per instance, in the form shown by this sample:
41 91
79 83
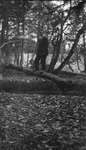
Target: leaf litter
36 122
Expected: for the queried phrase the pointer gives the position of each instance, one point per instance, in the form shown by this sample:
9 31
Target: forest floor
41 121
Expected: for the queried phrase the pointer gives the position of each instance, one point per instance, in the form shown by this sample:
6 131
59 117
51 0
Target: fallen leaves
39 119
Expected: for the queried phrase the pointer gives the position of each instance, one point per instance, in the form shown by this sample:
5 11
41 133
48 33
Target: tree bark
17 52
22 41
56 52
2 48
84 52
54 58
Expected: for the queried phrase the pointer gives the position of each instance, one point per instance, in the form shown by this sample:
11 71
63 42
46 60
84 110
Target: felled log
37 86
65 84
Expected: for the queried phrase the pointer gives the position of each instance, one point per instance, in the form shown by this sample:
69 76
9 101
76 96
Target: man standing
42 52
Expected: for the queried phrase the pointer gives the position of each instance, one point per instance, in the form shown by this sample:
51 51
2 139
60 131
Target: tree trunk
84 52
21 60
56 51
22 41
22 44
17 50
54 58
3 31
6 51
85 62
66 60
2 49
2 39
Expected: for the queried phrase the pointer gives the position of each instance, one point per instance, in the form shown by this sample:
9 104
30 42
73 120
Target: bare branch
8 42
66 60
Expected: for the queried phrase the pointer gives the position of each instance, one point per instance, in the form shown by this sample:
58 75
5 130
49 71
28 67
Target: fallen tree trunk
66 85
41 74
32 87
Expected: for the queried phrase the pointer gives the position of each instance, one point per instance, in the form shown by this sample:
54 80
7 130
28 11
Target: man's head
40 37
44 35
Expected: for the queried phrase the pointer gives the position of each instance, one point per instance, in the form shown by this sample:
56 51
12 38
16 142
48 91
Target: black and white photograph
42 75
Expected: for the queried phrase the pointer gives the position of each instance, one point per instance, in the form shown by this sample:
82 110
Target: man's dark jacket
42 49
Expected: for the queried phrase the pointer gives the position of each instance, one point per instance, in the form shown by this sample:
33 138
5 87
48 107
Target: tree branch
8 42
66 60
